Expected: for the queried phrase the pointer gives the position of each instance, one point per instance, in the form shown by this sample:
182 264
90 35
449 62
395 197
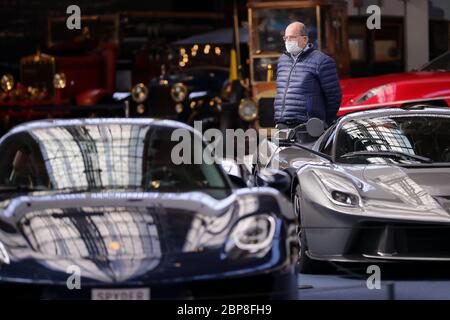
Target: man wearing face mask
307 81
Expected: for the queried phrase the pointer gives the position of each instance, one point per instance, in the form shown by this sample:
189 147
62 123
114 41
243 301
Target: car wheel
305 264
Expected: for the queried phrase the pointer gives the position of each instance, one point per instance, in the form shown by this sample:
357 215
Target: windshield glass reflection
404 140
97 157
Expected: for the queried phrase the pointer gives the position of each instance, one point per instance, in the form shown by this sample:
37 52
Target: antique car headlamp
59 81
178 92
140 109
248 110
139 93
339 190
7 82
252 233
179 108
369 94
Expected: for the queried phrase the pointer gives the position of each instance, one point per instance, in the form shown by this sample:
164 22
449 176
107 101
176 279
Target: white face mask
292 47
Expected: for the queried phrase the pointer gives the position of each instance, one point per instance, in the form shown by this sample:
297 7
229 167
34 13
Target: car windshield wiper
398 154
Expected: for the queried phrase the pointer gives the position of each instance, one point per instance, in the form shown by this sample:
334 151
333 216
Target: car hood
117 237
353 88
424 192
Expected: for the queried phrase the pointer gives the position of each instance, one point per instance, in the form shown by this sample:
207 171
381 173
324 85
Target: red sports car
429 84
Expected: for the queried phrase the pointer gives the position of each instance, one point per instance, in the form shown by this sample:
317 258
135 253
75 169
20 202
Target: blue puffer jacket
306 88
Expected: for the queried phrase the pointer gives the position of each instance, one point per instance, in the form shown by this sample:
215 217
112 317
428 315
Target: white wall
416 33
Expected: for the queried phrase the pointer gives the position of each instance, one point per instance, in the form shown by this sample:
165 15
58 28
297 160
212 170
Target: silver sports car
375 186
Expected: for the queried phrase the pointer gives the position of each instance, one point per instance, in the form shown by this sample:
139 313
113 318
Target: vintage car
104 199
429 84
374 187
187 95
74 78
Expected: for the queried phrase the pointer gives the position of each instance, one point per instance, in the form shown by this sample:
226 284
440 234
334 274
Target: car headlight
139 93
345 198
252 233
140 109
178 92
339 190
369 94
247 110
7 82
59 81
179 108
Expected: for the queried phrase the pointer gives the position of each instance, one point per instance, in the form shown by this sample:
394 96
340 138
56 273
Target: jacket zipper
287 85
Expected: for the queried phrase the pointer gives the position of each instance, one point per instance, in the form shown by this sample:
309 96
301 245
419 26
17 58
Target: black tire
305 264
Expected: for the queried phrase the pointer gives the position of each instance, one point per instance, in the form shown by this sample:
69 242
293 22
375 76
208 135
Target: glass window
22 163
441 63
326 145
423 136
261 67
269 25
386 50
95 157
357 49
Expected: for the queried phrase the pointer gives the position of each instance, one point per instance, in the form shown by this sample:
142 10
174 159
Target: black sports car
98 209
374 187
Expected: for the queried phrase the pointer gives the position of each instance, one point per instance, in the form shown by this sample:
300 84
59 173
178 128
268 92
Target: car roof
52 123
389 111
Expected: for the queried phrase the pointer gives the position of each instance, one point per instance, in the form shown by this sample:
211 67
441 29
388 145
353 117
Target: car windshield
411 139
441 63
100 157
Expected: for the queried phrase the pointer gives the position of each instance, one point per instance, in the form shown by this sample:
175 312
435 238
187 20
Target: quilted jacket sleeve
329 81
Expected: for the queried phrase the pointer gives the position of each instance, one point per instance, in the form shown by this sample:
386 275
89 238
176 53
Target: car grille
160 104
38 71
402 240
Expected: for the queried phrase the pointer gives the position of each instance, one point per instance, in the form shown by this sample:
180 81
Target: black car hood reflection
119 236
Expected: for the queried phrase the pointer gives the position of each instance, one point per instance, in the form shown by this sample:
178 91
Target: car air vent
266 112
6 227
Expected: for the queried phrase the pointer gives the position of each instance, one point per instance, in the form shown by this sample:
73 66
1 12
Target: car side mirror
315 127
272 178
